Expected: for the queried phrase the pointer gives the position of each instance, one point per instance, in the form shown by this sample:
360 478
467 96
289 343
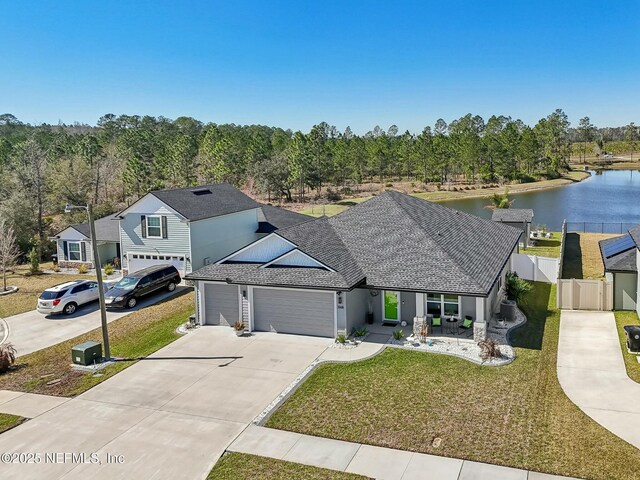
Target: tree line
44 167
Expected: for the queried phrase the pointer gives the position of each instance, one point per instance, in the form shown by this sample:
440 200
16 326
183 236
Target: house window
74 251
438 304
154 226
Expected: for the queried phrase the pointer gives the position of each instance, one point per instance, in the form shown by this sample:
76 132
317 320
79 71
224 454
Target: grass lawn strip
138 334
30 288
7 422
240 466
582 257
442 195
545 247
516 415
630 361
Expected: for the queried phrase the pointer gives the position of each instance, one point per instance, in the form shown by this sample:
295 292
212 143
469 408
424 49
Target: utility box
86 353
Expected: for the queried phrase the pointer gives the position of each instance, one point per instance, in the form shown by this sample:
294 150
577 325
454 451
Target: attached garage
221 304
294 311
139 260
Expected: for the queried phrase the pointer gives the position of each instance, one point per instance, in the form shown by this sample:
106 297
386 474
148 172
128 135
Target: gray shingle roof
512 215
635 234
222 200
623 262
273 218
107 229
393 241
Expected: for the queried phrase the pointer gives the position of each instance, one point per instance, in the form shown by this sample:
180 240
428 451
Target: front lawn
240 466
31 286
516 415
138 334
7 422
630 361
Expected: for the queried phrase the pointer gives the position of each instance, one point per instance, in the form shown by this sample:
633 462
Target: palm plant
500 200
516 288
7 356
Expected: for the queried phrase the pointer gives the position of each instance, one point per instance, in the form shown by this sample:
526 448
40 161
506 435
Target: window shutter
164 227
65 250
83 251
143 224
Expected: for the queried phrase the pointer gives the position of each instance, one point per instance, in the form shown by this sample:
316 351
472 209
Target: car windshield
49 295
127 283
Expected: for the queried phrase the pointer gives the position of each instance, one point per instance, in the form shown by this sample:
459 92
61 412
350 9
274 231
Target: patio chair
467 323
436 322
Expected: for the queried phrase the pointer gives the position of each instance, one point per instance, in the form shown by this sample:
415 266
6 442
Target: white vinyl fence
535 268
579 294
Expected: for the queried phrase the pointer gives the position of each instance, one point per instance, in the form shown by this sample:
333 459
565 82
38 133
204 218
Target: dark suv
129 289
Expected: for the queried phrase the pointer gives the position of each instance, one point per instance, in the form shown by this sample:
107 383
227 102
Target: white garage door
290 311
221 304
139 260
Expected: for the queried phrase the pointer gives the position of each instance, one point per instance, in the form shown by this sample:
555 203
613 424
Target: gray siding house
518 218
194 227
73 244
620 258
395 256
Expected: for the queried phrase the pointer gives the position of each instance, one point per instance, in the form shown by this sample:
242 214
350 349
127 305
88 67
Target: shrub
388 185
489 349
333 196
360 332
398 334
239 326
56 268
412 184
34 260
516 288
341 338
82 269
108 269
7 356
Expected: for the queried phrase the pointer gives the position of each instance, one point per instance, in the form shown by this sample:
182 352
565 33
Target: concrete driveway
169 416
591 372
31 331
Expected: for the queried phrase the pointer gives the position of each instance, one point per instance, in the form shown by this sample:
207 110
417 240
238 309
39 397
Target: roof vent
201 191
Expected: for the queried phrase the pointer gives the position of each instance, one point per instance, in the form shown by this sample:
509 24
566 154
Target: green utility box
86 353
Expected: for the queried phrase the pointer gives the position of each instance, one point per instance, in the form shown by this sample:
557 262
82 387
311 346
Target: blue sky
294 64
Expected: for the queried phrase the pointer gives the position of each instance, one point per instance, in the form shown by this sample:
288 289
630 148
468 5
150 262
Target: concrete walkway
28 405
373 462
592 373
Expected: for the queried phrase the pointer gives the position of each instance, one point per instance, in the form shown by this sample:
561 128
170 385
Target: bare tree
9 252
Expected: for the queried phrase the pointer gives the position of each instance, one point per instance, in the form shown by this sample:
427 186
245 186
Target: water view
611 197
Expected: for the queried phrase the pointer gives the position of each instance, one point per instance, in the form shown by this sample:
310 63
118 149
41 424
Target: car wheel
69 308
131 302
171 287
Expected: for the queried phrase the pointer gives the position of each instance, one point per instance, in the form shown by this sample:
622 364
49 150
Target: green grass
516 415
546 247
7 422
132 336
240 466
630 361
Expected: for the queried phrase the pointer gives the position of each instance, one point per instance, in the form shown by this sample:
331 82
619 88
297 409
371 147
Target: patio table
452 325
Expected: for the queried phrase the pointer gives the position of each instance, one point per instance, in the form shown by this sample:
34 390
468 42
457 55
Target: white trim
296 250
231 255
159 217
250 298
335 315
420 304
69 242
385 319
126 210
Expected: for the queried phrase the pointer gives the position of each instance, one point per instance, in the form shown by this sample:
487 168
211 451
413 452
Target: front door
391 306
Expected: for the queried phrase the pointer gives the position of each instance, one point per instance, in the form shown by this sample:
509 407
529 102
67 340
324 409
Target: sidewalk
375 462
28 405
592 373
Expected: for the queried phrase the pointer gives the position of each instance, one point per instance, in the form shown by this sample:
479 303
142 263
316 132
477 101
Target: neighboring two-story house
194 227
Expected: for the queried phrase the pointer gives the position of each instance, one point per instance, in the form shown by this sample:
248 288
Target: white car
67 297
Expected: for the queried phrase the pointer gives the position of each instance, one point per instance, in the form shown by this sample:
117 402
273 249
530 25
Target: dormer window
154 226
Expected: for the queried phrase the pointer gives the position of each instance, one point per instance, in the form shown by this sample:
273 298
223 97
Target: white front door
391 306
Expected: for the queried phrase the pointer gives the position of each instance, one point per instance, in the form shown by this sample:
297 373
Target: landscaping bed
516 415
138 334
7 422
239 466
30 287
630 361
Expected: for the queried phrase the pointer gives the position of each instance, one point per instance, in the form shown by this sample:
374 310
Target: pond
608 201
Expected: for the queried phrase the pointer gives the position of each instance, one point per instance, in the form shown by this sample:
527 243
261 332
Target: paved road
171 415
31 331
592 373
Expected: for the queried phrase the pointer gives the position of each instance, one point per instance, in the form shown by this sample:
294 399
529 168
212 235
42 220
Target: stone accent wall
479 331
